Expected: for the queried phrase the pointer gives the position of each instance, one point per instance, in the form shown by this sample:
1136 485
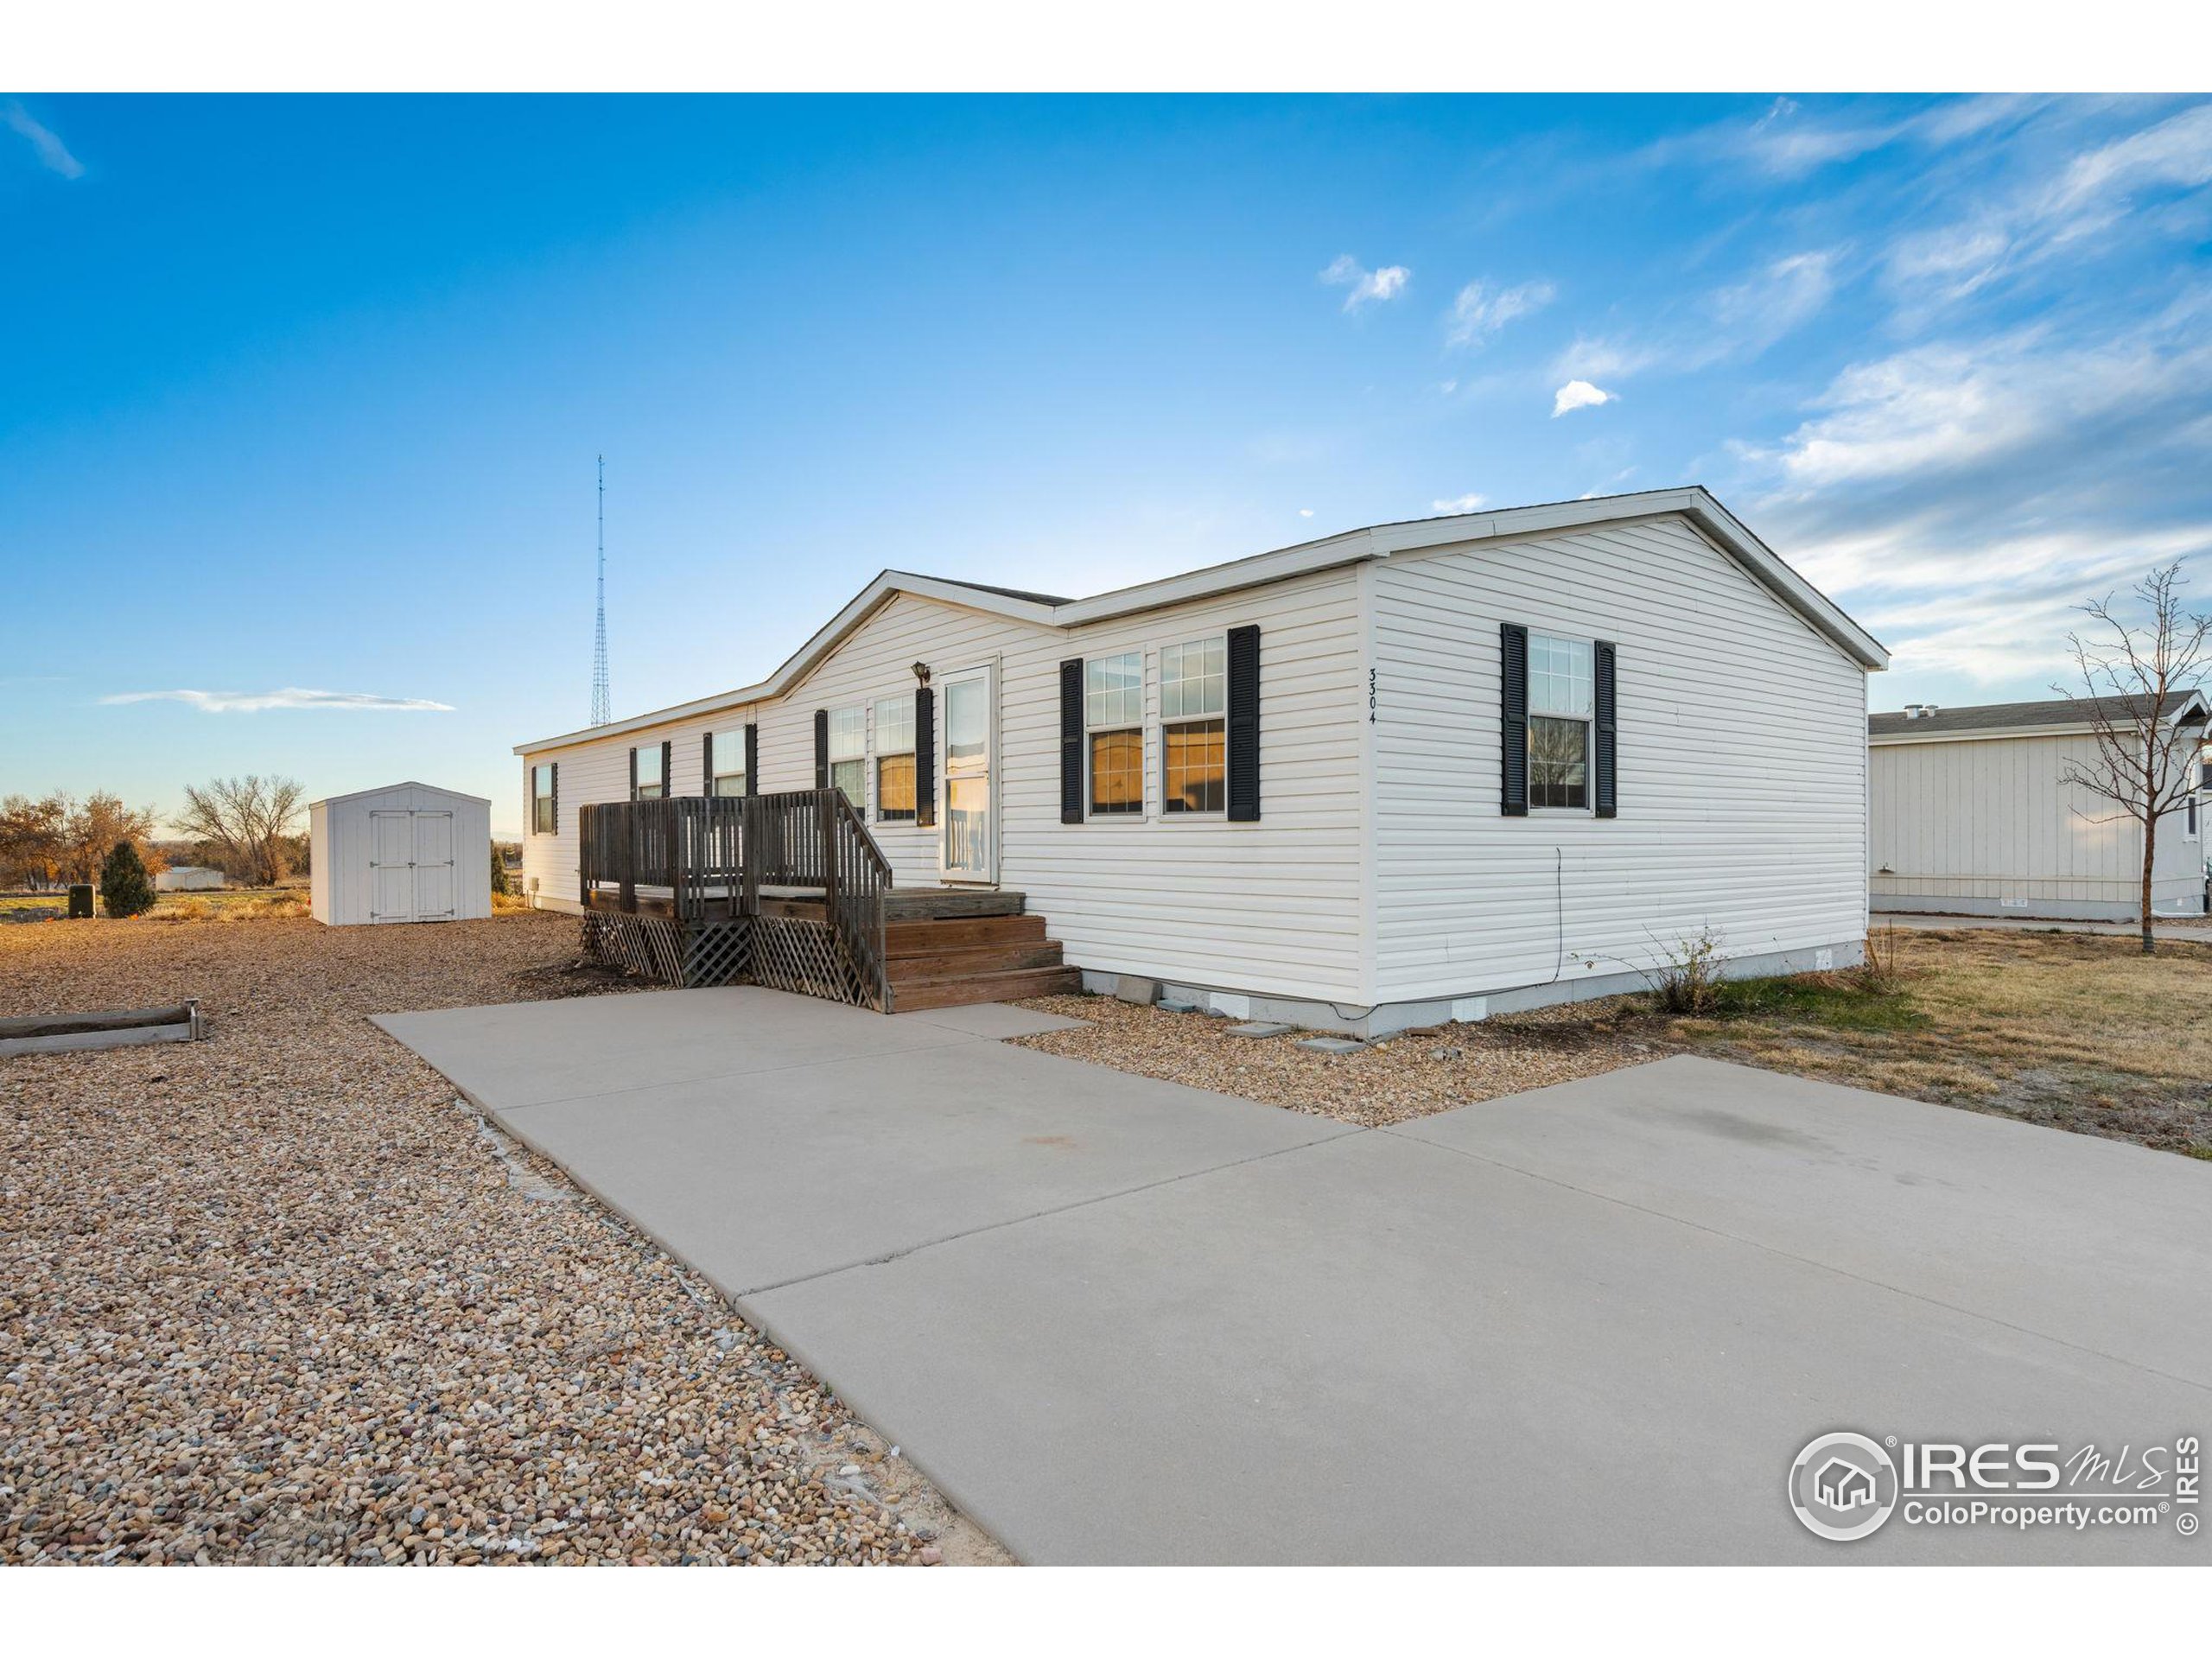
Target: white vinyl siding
1271 908
1984 826
1741 767
1382 870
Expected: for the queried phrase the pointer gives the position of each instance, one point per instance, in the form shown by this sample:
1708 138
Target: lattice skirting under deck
707 953
804 956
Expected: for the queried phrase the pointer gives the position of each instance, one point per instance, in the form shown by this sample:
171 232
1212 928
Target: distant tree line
57 838
244 827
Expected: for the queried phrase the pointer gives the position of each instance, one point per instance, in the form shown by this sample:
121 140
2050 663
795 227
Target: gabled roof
385 789
1693 502
2049 716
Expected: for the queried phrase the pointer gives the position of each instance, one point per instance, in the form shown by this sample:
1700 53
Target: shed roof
1693 502
404 783
2046 713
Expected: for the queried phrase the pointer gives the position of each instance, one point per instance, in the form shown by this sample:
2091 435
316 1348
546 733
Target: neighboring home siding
1742 768
1984 826
1272 907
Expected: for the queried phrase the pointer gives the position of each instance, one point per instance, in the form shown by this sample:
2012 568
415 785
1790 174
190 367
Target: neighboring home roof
1693 502
2051 716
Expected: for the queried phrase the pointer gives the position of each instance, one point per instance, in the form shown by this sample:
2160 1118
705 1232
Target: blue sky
303 394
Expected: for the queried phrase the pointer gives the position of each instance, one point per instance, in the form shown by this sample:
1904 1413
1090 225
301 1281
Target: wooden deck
792 891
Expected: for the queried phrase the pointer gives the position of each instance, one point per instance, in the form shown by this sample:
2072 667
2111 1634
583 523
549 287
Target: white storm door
971 723
391 867
434 871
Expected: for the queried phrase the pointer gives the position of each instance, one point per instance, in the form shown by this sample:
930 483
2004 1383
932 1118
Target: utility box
80 901
405 853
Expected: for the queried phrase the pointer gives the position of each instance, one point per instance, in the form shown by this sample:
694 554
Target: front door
971 723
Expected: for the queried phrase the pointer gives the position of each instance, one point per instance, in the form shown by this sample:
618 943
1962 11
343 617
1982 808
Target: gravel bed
1394 1081
277 1297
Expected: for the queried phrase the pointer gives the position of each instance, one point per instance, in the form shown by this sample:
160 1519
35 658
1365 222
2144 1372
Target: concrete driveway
1120 1320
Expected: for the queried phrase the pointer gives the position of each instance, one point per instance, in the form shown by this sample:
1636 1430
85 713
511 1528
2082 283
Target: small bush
498 873
1688 978
124 888
1881 974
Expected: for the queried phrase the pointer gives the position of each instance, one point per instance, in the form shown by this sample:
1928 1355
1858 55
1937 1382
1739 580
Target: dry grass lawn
2074 1030
2077 1030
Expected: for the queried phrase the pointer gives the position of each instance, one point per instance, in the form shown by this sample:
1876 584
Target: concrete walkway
1120 1320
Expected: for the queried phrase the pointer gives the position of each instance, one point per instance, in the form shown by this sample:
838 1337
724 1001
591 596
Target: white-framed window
651 773
1194 727
894 758
1113 719
726 761
848 754
1560 694
544 808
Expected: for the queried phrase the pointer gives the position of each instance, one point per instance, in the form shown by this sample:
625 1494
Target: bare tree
246 820
2137 674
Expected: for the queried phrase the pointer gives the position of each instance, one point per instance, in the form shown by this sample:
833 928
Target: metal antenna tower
599 712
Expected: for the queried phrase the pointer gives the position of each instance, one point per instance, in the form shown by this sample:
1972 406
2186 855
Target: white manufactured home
1972 814
1412 772
402 853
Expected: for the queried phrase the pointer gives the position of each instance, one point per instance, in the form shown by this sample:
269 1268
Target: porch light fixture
921 673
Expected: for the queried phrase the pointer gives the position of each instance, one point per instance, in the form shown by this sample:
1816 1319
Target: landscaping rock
293 1306
1141 992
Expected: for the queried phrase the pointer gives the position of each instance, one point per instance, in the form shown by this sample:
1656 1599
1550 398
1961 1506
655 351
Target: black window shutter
753 758
707 752
1606 736
1071 740
822 748
668 769
1513 719
633 774
529 798
556 798
1244 725
925 755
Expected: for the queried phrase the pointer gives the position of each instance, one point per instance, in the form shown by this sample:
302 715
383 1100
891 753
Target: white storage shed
404 853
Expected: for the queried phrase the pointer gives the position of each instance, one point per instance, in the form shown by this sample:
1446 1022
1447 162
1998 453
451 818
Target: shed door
434 871
391 867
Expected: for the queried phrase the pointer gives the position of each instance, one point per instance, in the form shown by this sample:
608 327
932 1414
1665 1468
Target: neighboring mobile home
1412 772
1970 815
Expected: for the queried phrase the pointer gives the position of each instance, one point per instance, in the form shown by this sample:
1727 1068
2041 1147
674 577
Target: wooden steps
946 948
917 994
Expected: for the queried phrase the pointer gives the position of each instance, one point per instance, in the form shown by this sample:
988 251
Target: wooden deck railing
712 856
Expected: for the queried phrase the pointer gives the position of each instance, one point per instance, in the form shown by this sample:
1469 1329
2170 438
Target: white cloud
2063 209
1947 406
1470 502
53 153
1579 394
1480 312
1305 512
1385 283
1786 295
292 696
